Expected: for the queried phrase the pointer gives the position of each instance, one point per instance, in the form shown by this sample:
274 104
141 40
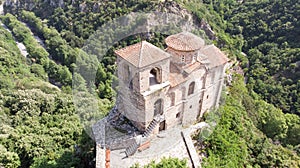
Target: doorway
162 125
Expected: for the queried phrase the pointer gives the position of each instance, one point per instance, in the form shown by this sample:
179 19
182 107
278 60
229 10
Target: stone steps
131 149
150 128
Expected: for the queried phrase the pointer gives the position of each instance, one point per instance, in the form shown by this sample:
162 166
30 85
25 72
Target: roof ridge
141 54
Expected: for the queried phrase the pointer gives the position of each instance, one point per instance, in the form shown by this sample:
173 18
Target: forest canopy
259 125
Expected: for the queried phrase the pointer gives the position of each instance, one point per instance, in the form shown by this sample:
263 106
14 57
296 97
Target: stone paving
168 143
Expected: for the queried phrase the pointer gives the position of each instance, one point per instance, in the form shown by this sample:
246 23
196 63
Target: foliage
267 32
8 159
251 132
37 53
11 61
38 124
270 30
165 163
236 142
23 34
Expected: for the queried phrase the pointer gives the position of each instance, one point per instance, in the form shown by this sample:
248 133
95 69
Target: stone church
159 89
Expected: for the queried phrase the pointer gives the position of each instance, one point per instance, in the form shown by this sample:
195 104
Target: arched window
172 97
158 107
155 76
191 88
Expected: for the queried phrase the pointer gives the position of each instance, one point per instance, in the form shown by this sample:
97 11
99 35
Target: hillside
259 122
269 31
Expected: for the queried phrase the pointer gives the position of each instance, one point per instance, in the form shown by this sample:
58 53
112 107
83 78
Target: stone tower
143 72
184 48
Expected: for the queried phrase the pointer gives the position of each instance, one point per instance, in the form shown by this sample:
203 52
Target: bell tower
143 72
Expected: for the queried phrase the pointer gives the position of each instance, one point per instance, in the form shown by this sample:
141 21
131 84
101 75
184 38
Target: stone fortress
160 89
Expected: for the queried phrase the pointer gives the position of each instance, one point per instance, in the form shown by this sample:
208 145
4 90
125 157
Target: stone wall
100 156
132 107
191 150
144 73
189 57
133 83
120 143
137 97
191 106
213 87
158 94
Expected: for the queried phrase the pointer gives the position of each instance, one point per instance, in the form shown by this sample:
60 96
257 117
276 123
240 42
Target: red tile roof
142 54
214 55
184 41
192 67
176 77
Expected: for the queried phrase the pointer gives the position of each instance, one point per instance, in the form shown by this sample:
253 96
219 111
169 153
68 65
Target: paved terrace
168 143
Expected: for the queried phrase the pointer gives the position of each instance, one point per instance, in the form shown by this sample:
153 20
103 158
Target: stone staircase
131 149
151 126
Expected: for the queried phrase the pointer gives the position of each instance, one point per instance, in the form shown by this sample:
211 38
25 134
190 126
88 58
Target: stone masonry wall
145 72
189 57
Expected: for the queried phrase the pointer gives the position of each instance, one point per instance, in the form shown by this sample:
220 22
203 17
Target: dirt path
21 46
1 9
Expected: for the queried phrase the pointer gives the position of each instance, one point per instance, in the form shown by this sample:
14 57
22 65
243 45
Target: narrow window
172 96
191 88
183 93
182 58
130 85
203 82
178 115
195 57
126 72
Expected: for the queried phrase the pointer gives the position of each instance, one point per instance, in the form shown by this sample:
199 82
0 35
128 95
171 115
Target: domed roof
184 41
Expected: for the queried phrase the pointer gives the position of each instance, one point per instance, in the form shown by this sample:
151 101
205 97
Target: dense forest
40 127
